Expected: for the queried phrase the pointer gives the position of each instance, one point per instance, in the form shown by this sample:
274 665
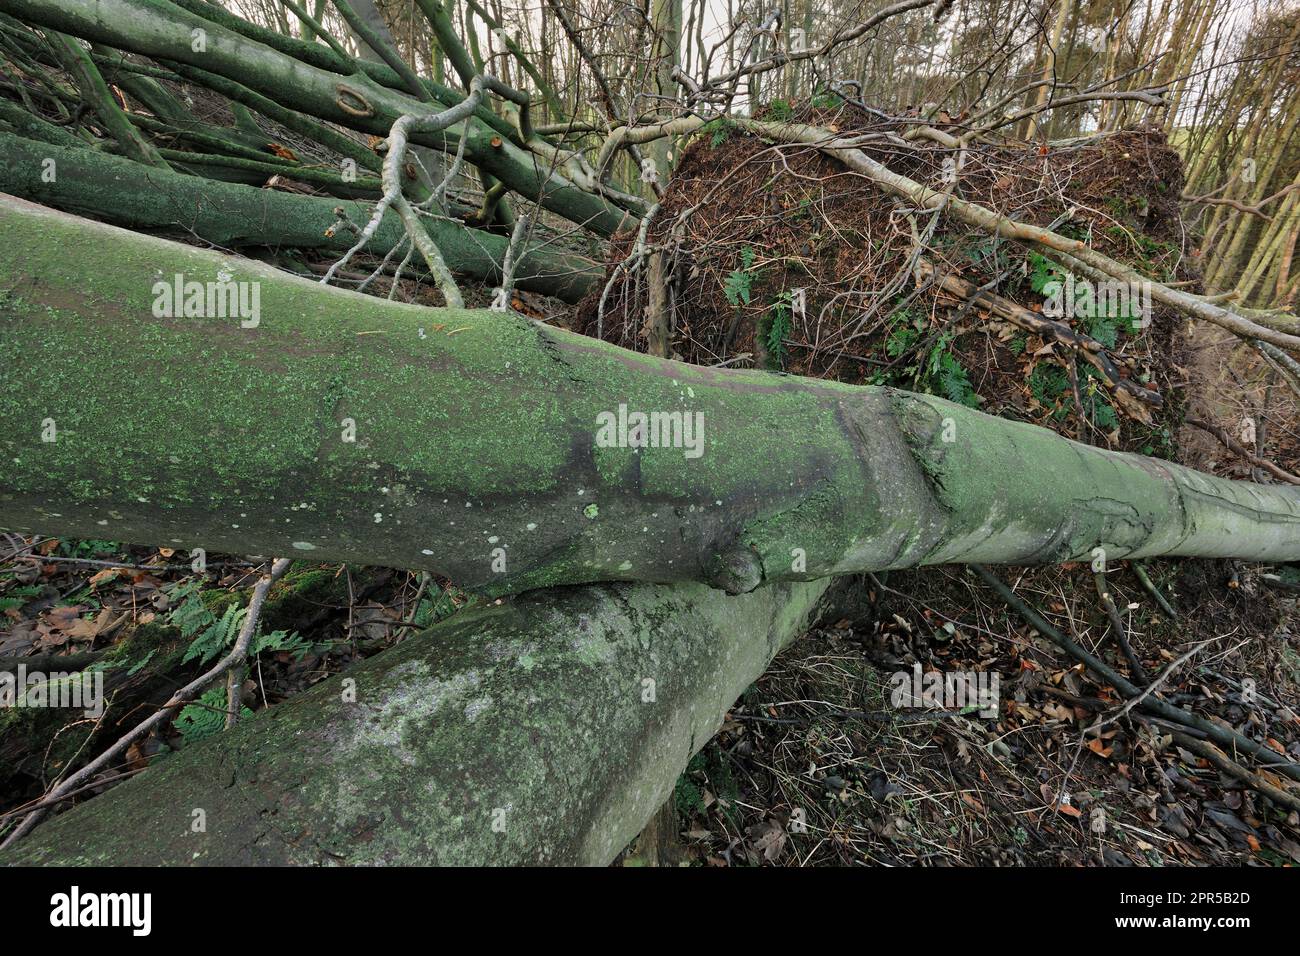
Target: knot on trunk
737 570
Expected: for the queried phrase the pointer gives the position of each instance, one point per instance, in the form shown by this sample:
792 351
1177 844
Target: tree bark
665 50
487 448
237 216
94 91
543 731
433 165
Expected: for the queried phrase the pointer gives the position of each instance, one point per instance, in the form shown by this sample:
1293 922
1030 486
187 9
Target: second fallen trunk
236 216
547 731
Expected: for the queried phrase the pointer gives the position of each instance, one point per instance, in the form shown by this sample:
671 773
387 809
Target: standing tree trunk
666 21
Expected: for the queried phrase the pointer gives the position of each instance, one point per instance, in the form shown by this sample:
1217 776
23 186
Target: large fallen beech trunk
236 216
546 730
505 454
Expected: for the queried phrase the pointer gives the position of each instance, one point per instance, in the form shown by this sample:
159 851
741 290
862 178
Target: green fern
191 615
1047 383
947 376
141 664
718 130
438 607
289 641
905 331
211 636
215 638
779 328
781 111
205 718
1043 271
955 382
738 287
687 797
1105 329
1104 416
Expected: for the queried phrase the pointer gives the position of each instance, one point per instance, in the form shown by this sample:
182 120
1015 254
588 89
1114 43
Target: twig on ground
1117 625
1149 586
1233 769
1155 705
182 696
1240 450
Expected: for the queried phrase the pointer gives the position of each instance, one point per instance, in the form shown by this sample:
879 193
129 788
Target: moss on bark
343 427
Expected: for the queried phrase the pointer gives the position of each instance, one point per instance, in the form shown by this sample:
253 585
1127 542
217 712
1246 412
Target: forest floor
818 764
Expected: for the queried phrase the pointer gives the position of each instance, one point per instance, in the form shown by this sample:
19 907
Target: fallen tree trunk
503 453
546 730
236 216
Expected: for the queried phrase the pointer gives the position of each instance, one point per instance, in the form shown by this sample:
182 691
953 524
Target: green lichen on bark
476 450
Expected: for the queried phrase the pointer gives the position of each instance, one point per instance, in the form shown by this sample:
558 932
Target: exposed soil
747 223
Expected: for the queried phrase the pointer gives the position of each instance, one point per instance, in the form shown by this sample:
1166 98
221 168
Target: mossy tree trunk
545 730
487 448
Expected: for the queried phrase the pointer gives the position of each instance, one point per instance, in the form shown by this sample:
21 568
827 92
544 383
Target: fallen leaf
767 838
62 617
103 577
